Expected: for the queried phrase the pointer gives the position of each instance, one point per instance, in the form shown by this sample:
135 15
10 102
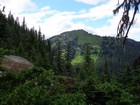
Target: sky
57 16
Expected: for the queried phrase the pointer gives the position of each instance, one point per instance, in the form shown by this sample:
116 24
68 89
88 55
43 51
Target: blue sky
57 16
65 5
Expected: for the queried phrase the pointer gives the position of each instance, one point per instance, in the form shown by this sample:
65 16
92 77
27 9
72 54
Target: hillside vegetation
73 68
101 48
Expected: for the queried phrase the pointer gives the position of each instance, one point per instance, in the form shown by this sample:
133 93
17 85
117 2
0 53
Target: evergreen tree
106 72
68 56
27 43
49 50
88 66
3 22
130 80
59 59
23 25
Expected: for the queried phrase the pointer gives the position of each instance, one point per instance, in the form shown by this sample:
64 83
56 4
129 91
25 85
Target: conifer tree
106 72
49 53
88 66
2 24
59 60
23 24
68 65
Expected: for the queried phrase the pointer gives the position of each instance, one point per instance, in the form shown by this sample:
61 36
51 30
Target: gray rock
15 63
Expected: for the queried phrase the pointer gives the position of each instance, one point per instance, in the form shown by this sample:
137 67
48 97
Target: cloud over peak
97 19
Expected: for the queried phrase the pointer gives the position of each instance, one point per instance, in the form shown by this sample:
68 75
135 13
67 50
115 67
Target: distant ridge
101 48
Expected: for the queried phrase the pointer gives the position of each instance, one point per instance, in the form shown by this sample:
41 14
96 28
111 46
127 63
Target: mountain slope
78 39
81 37
101 48
119 57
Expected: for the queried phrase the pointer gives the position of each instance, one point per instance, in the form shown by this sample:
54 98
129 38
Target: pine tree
23 25
88 66
3 22
68 55
59 59
106 72
49 53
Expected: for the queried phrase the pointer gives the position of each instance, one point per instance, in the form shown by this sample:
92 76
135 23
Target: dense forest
57 78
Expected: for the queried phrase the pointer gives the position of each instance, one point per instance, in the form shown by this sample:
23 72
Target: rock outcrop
15 63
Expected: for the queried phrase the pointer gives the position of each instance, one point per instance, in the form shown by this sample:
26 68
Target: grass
80 59
77 60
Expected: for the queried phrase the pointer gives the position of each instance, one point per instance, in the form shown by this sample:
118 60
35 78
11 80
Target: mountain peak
74 31
80 36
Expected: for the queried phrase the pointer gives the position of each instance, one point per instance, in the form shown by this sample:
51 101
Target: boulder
15 63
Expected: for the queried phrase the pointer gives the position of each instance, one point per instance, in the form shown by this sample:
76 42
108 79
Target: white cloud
135 29
111 29
91 2
98 12
61 20
18 6
53 22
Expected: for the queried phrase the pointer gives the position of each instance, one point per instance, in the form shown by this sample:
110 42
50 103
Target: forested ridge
57 78
101 49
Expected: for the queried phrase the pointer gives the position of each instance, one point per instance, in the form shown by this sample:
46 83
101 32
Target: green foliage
79 36
27 91
43 89
115 94
6 52
59 59
20 40
88 64
130 80
77 60
80 59
29 74
70 58
117 56
69 99
77 40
